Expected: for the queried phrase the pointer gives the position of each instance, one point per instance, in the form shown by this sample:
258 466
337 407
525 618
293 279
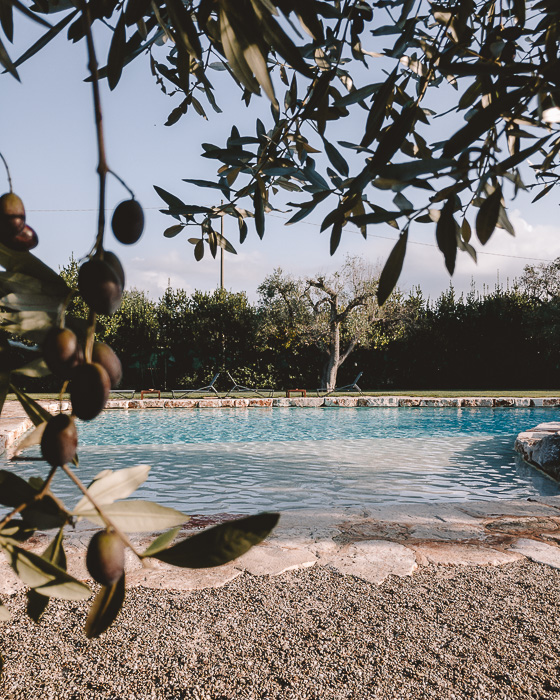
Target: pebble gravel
455 632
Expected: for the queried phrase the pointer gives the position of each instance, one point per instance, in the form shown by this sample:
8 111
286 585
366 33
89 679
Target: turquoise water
243 460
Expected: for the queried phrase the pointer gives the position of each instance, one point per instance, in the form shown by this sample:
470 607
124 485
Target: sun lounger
239 388
183 392
349 387
124 393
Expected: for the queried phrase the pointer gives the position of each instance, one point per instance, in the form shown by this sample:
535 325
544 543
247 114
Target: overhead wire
312 223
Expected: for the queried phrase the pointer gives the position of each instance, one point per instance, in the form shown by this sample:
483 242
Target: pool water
244 460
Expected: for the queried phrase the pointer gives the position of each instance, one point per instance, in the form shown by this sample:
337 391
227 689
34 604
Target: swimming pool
242 460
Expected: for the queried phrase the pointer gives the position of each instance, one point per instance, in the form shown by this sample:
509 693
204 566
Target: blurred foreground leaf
42 575
108 486
105 608
221 544
37 602
137 516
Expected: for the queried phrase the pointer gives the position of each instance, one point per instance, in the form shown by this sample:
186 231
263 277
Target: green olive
105 558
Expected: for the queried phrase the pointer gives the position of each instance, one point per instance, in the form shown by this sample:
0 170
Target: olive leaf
105 608
392 269
488 214
108 486
446 235
220 544
35 411
136 516
42 575
161 542
37 602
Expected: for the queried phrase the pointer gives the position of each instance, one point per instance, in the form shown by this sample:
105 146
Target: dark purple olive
62 352
100 286
115 263
20 240
89 390
128 222
105 356
60 440
105 557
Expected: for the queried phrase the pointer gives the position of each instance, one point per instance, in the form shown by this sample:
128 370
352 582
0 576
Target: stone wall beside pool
541 448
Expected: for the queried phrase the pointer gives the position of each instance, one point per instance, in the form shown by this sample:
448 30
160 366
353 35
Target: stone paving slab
420 513
447 554
551 501
538 551
498 508
274 561
373 561
172 578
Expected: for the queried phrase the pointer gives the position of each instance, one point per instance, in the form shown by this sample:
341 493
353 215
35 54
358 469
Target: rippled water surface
242 460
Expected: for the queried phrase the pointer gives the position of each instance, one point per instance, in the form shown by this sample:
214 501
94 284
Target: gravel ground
479 632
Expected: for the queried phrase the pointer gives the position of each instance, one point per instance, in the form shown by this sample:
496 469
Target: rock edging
541 448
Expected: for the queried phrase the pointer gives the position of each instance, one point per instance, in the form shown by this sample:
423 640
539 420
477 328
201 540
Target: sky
48 139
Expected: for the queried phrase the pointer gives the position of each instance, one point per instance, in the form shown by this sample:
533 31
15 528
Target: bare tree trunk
330 369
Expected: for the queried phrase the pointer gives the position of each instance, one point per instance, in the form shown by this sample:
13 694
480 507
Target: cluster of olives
101 283
14 232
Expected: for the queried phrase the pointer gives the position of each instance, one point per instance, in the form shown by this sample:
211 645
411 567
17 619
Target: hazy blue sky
48 139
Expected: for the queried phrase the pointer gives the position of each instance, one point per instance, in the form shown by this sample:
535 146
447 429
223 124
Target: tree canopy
484 75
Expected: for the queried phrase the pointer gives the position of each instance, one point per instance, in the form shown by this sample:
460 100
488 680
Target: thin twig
38 496
7 172
108 522
123 183
102 167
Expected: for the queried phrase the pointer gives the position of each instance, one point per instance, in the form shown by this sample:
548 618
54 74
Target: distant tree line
501 338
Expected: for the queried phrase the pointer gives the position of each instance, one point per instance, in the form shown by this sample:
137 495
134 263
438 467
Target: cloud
302 251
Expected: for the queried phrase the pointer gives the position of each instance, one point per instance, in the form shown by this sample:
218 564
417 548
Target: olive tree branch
102 167
108 522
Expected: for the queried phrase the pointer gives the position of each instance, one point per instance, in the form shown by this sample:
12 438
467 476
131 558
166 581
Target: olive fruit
62 352
105 557
115 263
100 286
106 357
12 213
60 440
13 231
25 239
128 222
89 390
11 205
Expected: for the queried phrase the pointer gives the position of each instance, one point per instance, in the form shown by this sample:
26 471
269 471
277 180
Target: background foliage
501 338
